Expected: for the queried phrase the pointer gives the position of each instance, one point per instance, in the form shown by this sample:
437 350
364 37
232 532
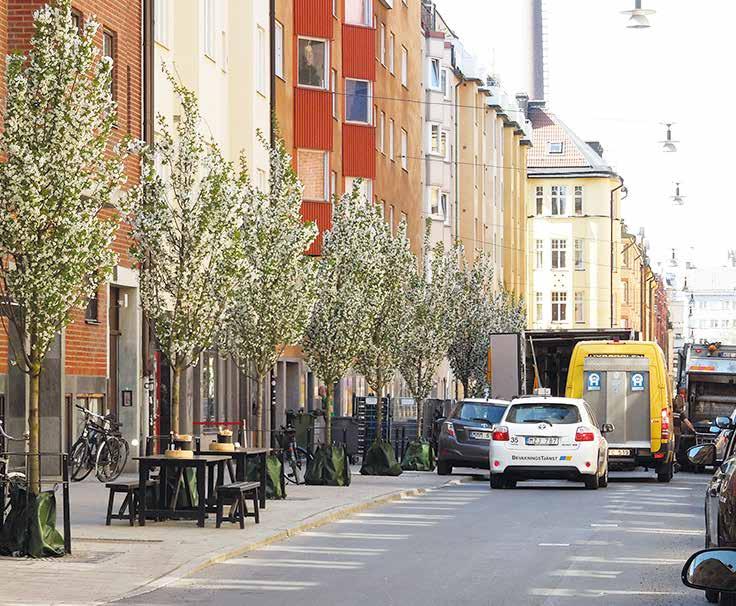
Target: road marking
659 514
294 563
554 544
424 516
676 531
355 535
240 584
559 592
586 574
387 522
604 525
413 506
656 561
356 551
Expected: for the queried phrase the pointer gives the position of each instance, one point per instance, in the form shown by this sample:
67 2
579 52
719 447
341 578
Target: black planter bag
30 527
380 460
329 467
419 456
274 469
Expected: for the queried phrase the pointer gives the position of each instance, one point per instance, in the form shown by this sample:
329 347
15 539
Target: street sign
637 381
594 381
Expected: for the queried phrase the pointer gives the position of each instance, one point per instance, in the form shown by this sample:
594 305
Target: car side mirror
711 570
723 422
714 429
705 454
608 428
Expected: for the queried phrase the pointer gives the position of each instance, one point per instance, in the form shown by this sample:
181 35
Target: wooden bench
237 494
129 506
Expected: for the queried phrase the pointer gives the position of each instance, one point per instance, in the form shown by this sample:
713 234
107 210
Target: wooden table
200 463
241 456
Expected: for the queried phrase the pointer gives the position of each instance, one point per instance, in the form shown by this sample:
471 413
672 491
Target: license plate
480 435
619 452
542 441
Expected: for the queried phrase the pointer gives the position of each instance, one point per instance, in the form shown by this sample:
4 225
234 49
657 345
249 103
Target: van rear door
617 389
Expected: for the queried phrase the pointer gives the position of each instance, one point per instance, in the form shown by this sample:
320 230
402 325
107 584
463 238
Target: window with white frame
391 217
539 304
314 63
333 183
435 143
558 199
444 147
365 186
313 171
404 150
382 133
391 52
435 81
559 306
358 12
539 254
579 308
382 43
261 61
333 86
391 139
626 291
357 101
262 180
444 205
563 199
161 21
404 66
578 199
555 147
579 254
444 85
209 28
540 200
559 254
434 201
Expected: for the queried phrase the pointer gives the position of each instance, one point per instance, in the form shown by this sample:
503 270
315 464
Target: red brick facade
86 343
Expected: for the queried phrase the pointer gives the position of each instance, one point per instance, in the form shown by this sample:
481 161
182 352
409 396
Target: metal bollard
403 441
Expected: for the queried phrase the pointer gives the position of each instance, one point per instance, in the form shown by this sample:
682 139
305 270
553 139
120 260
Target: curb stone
199 564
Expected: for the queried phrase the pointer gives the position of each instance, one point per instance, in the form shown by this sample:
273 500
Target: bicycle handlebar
11 438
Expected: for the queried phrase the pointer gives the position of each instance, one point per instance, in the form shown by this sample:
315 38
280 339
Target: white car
549 438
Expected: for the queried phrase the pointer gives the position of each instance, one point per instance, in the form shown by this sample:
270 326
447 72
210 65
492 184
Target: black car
465 436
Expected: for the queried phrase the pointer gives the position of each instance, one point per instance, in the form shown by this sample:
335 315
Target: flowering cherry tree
184 217
275 286
59 170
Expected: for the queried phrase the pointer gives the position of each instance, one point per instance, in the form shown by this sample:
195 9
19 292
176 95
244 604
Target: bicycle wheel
111 458
80 461
297 466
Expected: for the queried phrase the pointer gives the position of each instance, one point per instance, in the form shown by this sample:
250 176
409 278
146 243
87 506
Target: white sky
616 85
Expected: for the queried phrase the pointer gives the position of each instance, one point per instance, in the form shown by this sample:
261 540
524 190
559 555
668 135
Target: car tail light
500 434
584 434
450 429
665 435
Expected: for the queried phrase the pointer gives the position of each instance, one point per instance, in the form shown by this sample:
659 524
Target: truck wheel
665 473
444 468
592 482
497 481
712 596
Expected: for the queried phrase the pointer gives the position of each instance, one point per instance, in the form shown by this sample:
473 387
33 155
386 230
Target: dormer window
554 147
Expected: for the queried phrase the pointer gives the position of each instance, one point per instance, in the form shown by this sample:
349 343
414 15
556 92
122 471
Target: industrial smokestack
536 50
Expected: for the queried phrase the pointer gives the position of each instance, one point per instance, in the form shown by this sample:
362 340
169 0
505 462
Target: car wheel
712 596
510 483
592 482
665 473
444 468
497 481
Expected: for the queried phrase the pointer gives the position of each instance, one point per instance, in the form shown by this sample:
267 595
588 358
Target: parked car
549 438
466 433
713 571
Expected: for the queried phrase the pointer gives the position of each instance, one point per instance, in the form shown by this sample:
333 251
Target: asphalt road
543 543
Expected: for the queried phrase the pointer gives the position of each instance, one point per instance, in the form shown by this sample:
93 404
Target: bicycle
296 456
9 480
101 446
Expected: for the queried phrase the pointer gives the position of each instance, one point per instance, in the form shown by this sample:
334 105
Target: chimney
523 100
536 50
597 147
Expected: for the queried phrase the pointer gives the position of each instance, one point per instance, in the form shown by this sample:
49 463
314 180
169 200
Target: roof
577 157
547 400
485 401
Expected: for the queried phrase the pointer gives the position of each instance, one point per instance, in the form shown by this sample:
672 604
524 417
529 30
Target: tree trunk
34 429
328 412
175 399
379 407
260 393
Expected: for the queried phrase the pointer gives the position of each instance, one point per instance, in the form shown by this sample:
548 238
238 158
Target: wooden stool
130 503
238 493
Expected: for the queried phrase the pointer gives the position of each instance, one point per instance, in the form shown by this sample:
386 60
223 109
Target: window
391 48
434 201
626 255
357 101
333 183
313 62
92 311
444 210
391 212
578 199
559 199
540 200
334 8
554 147
404 150
563 199
559 254
435 146
262 181
391 139
579 254
365 186
358 12
209 28
404 66
434 74
550 413
444 148
559 307
539 301
579 309
108 50
262 61
626 292
223 50
540 254
333 86
444 85
312 170
279 49
382 44
160 21
382 133
77 20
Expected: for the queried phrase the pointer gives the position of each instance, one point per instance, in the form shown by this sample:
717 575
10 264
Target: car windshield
475 411
562 414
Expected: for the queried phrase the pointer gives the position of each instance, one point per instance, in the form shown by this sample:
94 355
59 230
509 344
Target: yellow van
626 384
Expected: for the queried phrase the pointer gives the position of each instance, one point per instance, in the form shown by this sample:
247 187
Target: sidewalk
109 562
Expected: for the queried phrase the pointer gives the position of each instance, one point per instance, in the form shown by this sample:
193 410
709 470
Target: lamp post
638 16
668 145
678 199
622 187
